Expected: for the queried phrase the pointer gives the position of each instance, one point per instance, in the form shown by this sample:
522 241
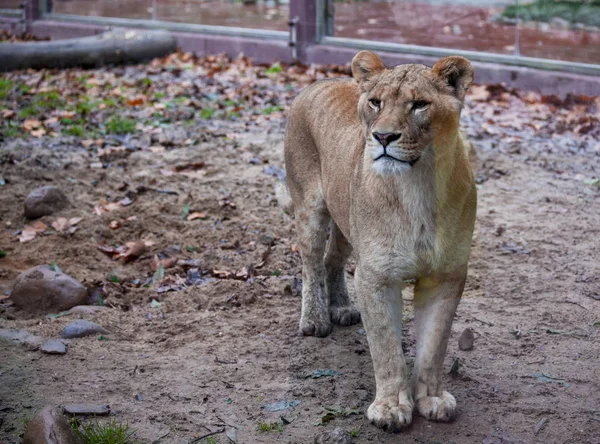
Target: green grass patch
275 68
586 12
270 427
6 87
103 432
120 125
75 130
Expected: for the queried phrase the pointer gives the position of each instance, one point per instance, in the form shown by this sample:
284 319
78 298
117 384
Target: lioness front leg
435 302
338 250
381 312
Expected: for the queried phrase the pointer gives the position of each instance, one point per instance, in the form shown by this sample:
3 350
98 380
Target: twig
568 301
206 436
483 322
226 423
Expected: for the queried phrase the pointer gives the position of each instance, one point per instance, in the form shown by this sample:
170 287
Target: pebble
466 340
44 201
21 337
54 347
87 309
337 436
81 328
87 409
49 426
41 290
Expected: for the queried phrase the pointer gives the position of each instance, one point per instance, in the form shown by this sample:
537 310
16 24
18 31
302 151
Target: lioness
380 159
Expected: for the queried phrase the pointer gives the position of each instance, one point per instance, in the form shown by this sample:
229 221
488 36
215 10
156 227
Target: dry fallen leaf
134 250
168 262
87 143
114 224
38 132
31 231
60 224
196 215
31 124
8 114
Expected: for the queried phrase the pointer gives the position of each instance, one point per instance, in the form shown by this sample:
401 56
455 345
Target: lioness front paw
390 416
344 315
437 408
317 326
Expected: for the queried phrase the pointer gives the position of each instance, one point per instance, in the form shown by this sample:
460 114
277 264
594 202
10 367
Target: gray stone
42 290
87 409
44 201
54 347
87 309
21 337
559 23
49 426
81 328
337 436
466 340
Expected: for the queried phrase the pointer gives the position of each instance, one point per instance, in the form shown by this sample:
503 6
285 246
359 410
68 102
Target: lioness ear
457 72
365 64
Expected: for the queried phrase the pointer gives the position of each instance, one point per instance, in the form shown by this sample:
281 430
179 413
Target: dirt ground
213 354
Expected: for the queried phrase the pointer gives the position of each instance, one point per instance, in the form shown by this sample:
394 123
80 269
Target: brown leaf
136 101
168 262
114 224
223 274
196 215
60 224
38 132
8 114
87 143
134 250
31 231
31 124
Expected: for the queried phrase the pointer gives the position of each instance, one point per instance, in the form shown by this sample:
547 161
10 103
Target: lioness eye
375 103
420 104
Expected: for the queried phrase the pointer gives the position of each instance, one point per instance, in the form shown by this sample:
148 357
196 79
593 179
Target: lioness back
324 140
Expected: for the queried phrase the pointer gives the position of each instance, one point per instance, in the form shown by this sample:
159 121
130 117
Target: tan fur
406 216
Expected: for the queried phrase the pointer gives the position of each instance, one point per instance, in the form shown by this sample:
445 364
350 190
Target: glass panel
10 4
456 24
258 14
559 29
553 29
133 9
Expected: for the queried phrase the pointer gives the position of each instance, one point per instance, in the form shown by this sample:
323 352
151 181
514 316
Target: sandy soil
212 355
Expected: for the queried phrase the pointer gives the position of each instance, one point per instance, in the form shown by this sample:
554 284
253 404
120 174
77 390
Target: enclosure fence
562 35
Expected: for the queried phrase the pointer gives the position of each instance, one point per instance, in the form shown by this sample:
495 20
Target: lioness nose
386 138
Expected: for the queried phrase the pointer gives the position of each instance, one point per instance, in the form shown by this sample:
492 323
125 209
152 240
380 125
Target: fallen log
110 48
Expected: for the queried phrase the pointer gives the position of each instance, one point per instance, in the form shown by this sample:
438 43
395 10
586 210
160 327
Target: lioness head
406 109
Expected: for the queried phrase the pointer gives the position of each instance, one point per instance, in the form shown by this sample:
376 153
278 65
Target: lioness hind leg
435 303
312 220
341 310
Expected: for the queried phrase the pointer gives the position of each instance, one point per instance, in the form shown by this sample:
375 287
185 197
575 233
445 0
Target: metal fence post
306 26
32 13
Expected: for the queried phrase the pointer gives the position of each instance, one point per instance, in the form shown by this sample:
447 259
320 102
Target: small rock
337 436
49 426
466 340
171 136
44 201
81 328
560 23
265 239
54 347
43 290
87 309
87 409
21 337
363 395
